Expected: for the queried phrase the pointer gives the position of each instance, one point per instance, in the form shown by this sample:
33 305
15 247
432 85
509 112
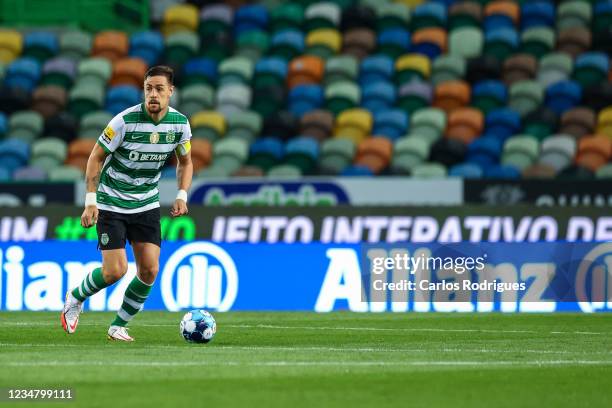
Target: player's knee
116 270
148 273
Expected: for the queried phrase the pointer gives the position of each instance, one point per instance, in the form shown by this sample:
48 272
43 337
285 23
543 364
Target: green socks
92 284
133 301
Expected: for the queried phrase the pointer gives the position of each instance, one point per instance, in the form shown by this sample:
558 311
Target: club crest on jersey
154 138
104 239
170 136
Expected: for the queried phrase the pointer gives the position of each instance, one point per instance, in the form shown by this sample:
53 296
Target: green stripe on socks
133 301
92 284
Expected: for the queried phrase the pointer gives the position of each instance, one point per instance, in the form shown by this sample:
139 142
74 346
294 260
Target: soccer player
122 198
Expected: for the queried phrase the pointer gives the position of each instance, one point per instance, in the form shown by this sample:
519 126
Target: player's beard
154 107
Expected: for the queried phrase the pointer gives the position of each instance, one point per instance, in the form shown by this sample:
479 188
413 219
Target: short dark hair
161 70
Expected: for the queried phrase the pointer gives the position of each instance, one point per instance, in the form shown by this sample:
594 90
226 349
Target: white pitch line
381 329
451 363
213 348
402 329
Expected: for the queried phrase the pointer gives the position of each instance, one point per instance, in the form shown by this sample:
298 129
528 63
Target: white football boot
70 315
118 333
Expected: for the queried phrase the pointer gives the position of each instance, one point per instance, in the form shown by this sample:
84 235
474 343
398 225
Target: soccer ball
198 326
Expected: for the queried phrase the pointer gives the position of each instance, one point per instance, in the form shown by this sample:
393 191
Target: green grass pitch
306 359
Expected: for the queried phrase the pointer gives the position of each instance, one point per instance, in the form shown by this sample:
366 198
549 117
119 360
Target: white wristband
90 199
181 195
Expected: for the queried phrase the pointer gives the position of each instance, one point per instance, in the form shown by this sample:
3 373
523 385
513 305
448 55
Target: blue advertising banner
506 277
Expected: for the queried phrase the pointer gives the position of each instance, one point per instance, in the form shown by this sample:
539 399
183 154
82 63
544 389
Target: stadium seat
411 66
563 95
489 95
501 43
303 153
520 151
48 153
519 67
323 43
430 41
265 152
286 16
358 42
322 15
60 71
121 97
604 122
94 72
354 124
146 45
430 14
270 71
14 153
3 125
49 100
305 70
414 95
318 124
466 42
195 98
502 123
208 125
25 125
374 153
558 151
14 99
11 45
233 98
93 123
250 17
128 71
537 14
594 152
464 14
448 152
391 123
180 17
525 96
180 47
336 155
201 154
64 126
393 42
215 18
578 122
244 125
408 152
392 15
281 124
378 96
537 41
451 95
485 151
75 44
591 68
340 68
574 41
230 153
305 98
252 44
602 16
40 45
572 14
429 171
29 174
341 96
429 122
448 68
65 174
502 13
465 124
23 73
287 44
111 45
236 70
466 171
376 68
554 67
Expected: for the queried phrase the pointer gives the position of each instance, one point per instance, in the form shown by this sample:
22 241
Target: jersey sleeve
112 135
184 145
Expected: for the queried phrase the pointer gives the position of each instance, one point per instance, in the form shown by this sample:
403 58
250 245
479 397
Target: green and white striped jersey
138 148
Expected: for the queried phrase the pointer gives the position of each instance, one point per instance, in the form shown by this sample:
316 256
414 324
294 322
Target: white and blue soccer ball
198 326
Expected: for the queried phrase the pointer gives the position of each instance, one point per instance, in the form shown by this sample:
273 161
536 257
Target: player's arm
92 178
184 174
